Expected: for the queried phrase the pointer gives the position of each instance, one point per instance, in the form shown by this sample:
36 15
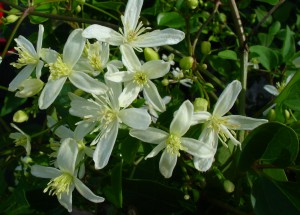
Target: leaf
11 103
261 14
266 56
43 8
274 28
294 104
288 49
276 174
170 19
271 143
228 54
271 2
276 198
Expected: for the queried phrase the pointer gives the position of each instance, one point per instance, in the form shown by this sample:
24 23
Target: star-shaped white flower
21 139
63 68
173 141
64 179
133 32
138 78
218 126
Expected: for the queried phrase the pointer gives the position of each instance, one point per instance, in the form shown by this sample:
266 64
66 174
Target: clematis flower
218 126
133 32
173 141
104 114
29 58
63 69
138 78
64 179
21 139
279 86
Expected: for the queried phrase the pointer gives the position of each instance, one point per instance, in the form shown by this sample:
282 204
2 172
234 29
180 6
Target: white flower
137 79
105 114
29 58
21 139
173 141
64 180
152 111
279 86
218 126
133 32
63 69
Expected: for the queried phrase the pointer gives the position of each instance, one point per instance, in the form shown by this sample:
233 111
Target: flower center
25 58
59 185
22 141
141 78
59 69
174 145
81 145
95 61
107 116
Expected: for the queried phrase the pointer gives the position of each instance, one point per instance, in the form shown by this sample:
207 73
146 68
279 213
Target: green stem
3 88
171 49
102 11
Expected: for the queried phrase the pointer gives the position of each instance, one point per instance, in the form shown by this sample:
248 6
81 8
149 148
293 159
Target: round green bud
192 3
186 62
205 47
271 115
228 186
20 116
150 54
287 114
78 9
200 104
165 82
222 17
203 66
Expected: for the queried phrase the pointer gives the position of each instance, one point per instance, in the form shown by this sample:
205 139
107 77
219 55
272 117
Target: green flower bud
11 18
203 66
78 9
192 3
228 186
150 54
186 62
222 17
271 115
205 47
20 116
287 114
200 104
165 82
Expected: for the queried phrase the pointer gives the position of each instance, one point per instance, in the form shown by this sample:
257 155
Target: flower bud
150 54
287 114
200 104
29 87
203 66
192 3
271 115
205 47
11 18
165 82
78 9
222 17
186 62
228 186
20 116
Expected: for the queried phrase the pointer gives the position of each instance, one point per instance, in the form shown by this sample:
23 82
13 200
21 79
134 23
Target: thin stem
102 11
171 49
3 88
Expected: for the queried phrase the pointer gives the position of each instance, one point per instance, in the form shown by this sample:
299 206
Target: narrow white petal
150 135
67 155
135 118
182 119
229 135
167 164
105 146
237 122
61 131
129 58
49 55
73 47
129 94
197 148
50 92
227 98
203 164
115 87
86 192
45 172
155 38
40 40
132 13
156 68
86 83
209 136
23 42
152 96
23 75
103 34
82 108
272 90
119 76
38 69
200 117
156 150
104 54
66 199
82 129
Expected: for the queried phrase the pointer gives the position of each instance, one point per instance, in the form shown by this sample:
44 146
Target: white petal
67 155
182 119
129 94
86 83
104 54
38 69
197 148
227 98
132 13
156 68
129 58
86 192
167 164
200 117
23 42
82 129
23 75
203 164
82 108
119 76
152 96
49 55
61 131
209 136
156 150
103 34
155 38
50 92
229 135
237 122
150 135
135 118
45 172
66 199
272 90
115 87
105 146
40 40
73 47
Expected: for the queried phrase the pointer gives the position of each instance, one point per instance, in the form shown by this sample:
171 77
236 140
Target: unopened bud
150 54
287 114
192 3
186 62
29 87
228 186
165 82
78 9
203 66
271 115
11 18
205 47
200 104
20 116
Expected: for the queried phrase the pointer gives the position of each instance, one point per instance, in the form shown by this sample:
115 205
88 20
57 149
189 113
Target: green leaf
294 104
290 92
276 198
228 54
266 56
44 8
11 103
170 19
271 2
276 174
265 39
271 143
260 13
288 49
274 28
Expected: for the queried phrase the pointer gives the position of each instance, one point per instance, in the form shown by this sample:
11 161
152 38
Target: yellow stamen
141 78
59 69
59 185
25 58
174 145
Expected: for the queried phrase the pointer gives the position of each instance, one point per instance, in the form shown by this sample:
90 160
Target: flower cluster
111 87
